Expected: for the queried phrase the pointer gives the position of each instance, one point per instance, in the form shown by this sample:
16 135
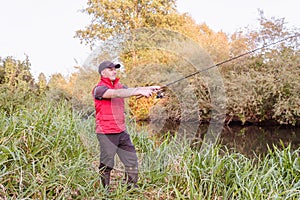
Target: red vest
110 117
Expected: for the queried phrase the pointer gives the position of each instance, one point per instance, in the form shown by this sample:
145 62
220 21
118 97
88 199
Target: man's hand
147 91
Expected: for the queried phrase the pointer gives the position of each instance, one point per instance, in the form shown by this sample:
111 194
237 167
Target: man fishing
111 132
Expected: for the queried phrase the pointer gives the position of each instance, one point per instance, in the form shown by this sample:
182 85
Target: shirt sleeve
99 91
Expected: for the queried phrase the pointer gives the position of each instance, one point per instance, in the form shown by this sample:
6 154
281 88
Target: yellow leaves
255 84
140 108
113 17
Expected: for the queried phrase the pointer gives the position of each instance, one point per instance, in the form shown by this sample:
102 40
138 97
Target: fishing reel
159 95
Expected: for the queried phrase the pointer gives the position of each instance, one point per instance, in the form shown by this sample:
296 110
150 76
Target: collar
109 82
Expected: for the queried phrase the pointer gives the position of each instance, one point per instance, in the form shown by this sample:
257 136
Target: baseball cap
107 64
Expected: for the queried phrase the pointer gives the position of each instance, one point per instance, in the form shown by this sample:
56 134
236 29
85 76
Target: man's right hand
148 91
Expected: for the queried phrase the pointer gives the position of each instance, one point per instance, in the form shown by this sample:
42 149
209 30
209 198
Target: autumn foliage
163 46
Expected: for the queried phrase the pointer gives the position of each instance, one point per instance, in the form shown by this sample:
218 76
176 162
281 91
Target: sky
44 30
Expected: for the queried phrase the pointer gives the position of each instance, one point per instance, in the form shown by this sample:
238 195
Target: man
113 138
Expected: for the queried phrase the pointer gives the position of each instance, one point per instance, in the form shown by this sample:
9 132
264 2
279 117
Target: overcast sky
44 29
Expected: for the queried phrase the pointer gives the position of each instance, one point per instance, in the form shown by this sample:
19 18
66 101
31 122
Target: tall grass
48 151
219 173
42 155
208 175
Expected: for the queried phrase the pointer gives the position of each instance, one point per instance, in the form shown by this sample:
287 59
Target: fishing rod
160 95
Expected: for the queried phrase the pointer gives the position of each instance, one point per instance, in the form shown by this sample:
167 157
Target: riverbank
48 151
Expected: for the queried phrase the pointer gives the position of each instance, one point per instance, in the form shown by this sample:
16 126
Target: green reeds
48 151
218 174
42 155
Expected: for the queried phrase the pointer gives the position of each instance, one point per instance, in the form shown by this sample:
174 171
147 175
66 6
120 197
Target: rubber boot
131 177
105 178
104 175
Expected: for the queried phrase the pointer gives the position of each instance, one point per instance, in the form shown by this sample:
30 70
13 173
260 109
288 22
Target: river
249 140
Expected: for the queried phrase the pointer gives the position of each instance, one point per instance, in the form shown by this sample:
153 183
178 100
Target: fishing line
159 94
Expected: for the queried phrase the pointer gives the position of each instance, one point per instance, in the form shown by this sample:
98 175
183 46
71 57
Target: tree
16 73
16 83
2 72
58 87
268 80
80 85
113 17
142 50
57 80
42 83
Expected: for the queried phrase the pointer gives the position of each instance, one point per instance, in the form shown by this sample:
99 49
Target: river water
248 140
255 140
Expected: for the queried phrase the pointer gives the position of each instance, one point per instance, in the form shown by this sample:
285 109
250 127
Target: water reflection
248 140
251 140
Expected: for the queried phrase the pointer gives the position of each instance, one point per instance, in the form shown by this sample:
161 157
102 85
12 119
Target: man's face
110 73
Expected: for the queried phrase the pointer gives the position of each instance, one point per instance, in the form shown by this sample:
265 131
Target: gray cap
107 64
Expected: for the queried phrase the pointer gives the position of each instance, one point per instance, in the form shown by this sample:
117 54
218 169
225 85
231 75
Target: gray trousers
120 144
